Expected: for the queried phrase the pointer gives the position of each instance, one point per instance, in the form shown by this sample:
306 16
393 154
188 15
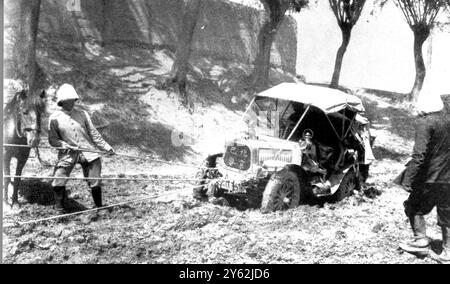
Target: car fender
336 179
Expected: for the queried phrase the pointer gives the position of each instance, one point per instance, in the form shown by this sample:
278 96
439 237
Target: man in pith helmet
71 129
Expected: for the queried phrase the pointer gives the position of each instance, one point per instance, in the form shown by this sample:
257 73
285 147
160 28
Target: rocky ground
173 228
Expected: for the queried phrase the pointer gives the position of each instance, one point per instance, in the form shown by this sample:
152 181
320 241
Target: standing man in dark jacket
428 176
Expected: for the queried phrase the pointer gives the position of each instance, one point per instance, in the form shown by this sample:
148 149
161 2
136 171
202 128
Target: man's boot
97 196
444 257
59 192
420 244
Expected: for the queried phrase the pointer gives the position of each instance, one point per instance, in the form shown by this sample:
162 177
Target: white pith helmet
66 92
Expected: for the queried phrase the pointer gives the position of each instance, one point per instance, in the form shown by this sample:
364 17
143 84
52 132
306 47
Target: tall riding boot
59 192
444 257
420 244
97 196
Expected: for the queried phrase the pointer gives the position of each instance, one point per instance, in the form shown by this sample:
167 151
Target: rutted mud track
364 228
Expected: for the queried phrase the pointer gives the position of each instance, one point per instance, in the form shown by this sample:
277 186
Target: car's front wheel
282 192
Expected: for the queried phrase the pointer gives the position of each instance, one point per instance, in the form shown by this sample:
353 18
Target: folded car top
327 99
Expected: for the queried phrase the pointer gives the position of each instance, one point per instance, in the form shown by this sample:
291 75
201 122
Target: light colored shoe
444 257
418 246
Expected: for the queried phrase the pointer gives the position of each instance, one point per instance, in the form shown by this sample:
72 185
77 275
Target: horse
21 126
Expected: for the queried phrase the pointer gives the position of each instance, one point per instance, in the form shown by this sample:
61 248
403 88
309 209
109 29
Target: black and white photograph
226 132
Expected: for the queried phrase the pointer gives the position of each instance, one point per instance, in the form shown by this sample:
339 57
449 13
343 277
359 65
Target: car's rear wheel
282 192
348 184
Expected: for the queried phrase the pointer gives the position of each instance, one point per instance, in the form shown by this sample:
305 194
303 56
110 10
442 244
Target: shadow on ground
383 153
436 246
36 191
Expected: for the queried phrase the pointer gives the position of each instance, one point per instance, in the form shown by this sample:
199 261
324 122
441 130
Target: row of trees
419 14
421 18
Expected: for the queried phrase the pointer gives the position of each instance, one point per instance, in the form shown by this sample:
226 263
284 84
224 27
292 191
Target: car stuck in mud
302 142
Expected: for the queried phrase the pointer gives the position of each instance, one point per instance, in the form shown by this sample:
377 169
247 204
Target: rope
117 154
42 162
18 126
90 210
83 211
100 178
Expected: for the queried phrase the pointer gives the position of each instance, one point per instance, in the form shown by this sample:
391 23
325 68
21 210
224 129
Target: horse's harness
20 133
18 126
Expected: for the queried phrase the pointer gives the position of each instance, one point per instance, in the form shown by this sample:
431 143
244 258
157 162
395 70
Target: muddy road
174 228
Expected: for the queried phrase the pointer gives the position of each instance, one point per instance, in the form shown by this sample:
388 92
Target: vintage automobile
302 142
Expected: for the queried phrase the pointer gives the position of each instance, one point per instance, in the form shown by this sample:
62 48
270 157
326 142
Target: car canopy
327 99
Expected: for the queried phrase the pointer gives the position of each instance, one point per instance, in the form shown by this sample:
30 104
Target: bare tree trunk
179 69
420 36
24 53
104 23
429 59
266 37
346 34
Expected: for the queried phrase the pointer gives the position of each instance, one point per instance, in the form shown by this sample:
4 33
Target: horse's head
28 118
24 110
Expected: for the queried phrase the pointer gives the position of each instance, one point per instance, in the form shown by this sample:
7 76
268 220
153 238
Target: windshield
277 118
272 117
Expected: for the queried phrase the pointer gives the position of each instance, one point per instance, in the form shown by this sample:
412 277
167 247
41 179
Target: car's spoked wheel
282 192
349 188
348 184
284 196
